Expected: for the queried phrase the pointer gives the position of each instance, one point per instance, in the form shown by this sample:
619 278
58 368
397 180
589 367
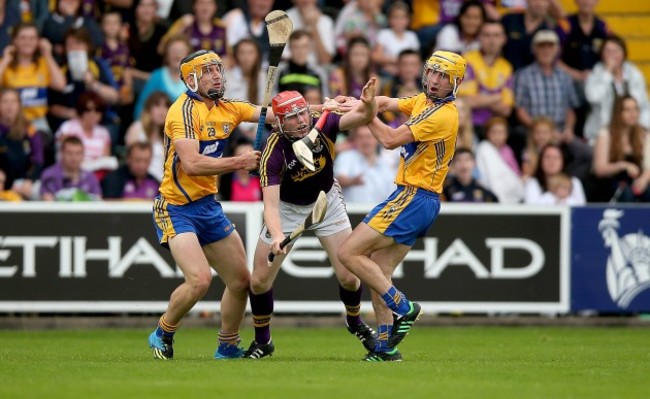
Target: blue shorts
406 215
203 217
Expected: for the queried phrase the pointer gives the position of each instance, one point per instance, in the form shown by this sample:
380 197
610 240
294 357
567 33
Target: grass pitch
439 362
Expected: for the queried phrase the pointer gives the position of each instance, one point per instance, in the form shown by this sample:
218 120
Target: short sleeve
182 122
272 162
331 127
406 104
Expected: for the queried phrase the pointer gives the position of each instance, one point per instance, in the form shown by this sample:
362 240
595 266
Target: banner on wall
610 259
105 258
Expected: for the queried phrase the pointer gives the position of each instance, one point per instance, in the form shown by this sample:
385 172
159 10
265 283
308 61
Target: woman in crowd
550 169
541 133
622 156
461 35
355 70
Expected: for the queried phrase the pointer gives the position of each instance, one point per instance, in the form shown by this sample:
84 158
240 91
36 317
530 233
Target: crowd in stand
552 111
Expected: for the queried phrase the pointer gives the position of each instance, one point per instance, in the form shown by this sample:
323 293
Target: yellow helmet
451 64
192 67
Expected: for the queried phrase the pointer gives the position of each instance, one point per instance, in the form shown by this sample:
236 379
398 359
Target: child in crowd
117 53
397 38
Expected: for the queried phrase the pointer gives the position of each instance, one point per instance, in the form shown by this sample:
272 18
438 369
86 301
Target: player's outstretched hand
250 160
368 91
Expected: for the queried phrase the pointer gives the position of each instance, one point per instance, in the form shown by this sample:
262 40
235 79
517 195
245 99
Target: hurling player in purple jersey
290 190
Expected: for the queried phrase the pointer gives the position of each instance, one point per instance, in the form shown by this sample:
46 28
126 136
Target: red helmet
289 103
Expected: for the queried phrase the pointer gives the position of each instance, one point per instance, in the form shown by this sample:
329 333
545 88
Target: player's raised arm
365 110
196 164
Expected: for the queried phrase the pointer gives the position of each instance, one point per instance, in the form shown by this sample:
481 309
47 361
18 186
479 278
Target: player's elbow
389 144
190 168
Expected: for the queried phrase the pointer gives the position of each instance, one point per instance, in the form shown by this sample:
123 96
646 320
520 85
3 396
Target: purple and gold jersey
214 40
189 118
424 163
299 185
119 59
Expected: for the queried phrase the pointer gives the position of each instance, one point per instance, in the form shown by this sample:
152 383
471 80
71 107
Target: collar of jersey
193 95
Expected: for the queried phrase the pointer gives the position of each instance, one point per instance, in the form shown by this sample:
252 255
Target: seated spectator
28 66
522 27
355 70
364 178
297 74
622 156
488 83
240 185
95 138
461 35
248 21
132 181
84 72
391 42
68 15
551 165
166 78
116 52
559 191
202 29
359 18
542 133
150 129
497 165
610 78
66 180
144 36
406 82
7 195
21 146
461 185
306 15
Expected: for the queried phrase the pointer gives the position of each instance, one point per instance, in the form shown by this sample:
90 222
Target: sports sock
165 329
384 331
396 301
352 302
229 338
262 309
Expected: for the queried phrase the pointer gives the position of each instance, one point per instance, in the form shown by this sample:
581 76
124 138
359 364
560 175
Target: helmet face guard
291 106
451 65
199 64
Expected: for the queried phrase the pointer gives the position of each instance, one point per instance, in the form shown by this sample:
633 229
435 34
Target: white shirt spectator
393 45
377 179
535 196
325 27
157 166
448 39
496 175
95 146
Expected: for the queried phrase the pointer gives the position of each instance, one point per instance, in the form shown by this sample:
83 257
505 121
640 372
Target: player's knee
260 285
201 283
349 282
240 284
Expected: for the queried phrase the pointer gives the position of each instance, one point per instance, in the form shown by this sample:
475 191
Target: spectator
359 18
166 78
248 21
306 15
520 29
406 82
461 36
543 89
132 181
296 74
610 78
542 133
116 52
84 72
9 18
488 82
622 156
7 195
150 129
461 185
393 41
144 36
354 72
362 175
21 146
559 191
28 66
202 29
66 180
551 165
246 79
467 137
68 15
497 166
95 138
242 186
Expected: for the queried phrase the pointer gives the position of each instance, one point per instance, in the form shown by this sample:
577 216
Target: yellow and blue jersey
424 163
32 82
190 118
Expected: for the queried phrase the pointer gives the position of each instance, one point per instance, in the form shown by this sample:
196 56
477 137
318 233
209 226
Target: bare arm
602 165
388 137
524 117
196 164
57 78
365 111
387 104
270 118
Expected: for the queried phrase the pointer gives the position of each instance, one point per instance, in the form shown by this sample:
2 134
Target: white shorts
336 217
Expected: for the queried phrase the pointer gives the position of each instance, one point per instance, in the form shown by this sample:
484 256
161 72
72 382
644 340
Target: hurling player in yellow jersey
188 218
388 232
